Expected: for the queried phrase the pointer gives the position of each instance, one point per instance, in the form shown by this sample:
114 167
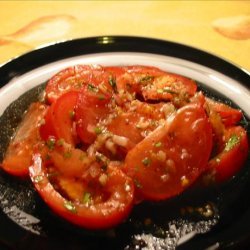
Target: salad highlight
106 138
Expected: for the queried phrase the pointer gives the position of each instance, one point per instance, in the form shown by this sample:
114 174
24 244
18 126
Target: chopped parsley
71 114
98 130
86 198
92 88
158 144
168 90
112 83
146 161
70 206
51 143
232 142
146 79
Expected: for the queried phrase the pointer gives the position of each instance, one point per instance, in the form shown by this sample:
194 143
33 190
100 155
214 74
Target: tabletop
218 27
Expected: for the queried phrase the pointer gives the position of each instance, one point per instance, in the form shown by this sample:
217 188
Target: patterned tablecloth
219 27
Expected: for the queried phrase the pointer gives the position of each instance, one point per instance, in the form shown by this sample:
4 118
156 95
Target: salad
104 139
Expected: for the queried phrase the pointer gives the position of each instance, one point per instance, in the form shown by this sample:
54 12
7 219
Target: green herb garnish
70 206
146 79
86 198
146 161
98 130
51 143
71 114
112 83
92 88
232 142
158 144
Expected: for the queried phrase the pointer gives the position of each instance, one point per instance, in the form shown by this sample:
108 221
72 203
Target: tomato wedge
106 213
19 153
229 116
92 106
168 161
230 160
75 78
59 119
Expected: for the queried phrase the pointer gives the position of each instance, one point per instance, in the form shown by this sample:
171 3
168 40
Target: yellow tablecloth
219 27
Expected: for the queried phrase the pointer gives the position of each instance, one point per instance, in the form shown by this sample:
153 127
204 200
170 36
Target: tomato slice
155 84
152 83
75 78
229 115
168 161
59 119
138 120
230 160
18 156
92 106
104 213
68 160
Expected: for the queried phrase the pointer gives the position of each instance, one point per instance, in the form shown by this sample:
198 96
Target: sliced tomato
230 116
156 84
75 78
70 161
152 83
111 209
59 119
92 106
18 156
168 161
230 160
138 121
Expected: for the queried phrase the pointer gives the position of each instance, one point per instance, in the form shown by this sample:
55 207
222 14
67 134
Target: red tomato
108 212
18 156
229 161
59 119
92 106
229 116
173 156
138 121
69 161
156 84
75 78
152 83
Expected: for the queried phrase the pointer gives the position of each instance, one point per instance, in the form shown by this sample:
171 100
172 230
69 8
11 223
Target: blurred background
219 27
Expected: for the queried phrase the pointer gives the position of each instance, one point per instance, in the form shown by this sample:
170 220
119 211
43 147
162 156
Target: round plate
212 218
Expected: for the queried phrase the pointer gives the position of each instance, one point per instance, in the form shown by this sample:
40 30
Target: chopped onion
110 146
120 140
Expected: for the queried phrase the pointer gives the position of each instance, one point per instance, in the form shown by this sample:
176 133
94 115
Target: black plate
26 223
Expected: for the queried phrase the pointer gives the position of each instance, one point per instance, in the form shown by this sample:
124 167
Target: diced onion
120 140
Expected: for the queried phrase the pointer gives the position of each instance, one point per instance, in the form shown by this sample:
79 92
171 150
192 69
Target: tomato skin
163 171
19 153
75 78
229 161
59 118
95 216
90 109
229 116
148 81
